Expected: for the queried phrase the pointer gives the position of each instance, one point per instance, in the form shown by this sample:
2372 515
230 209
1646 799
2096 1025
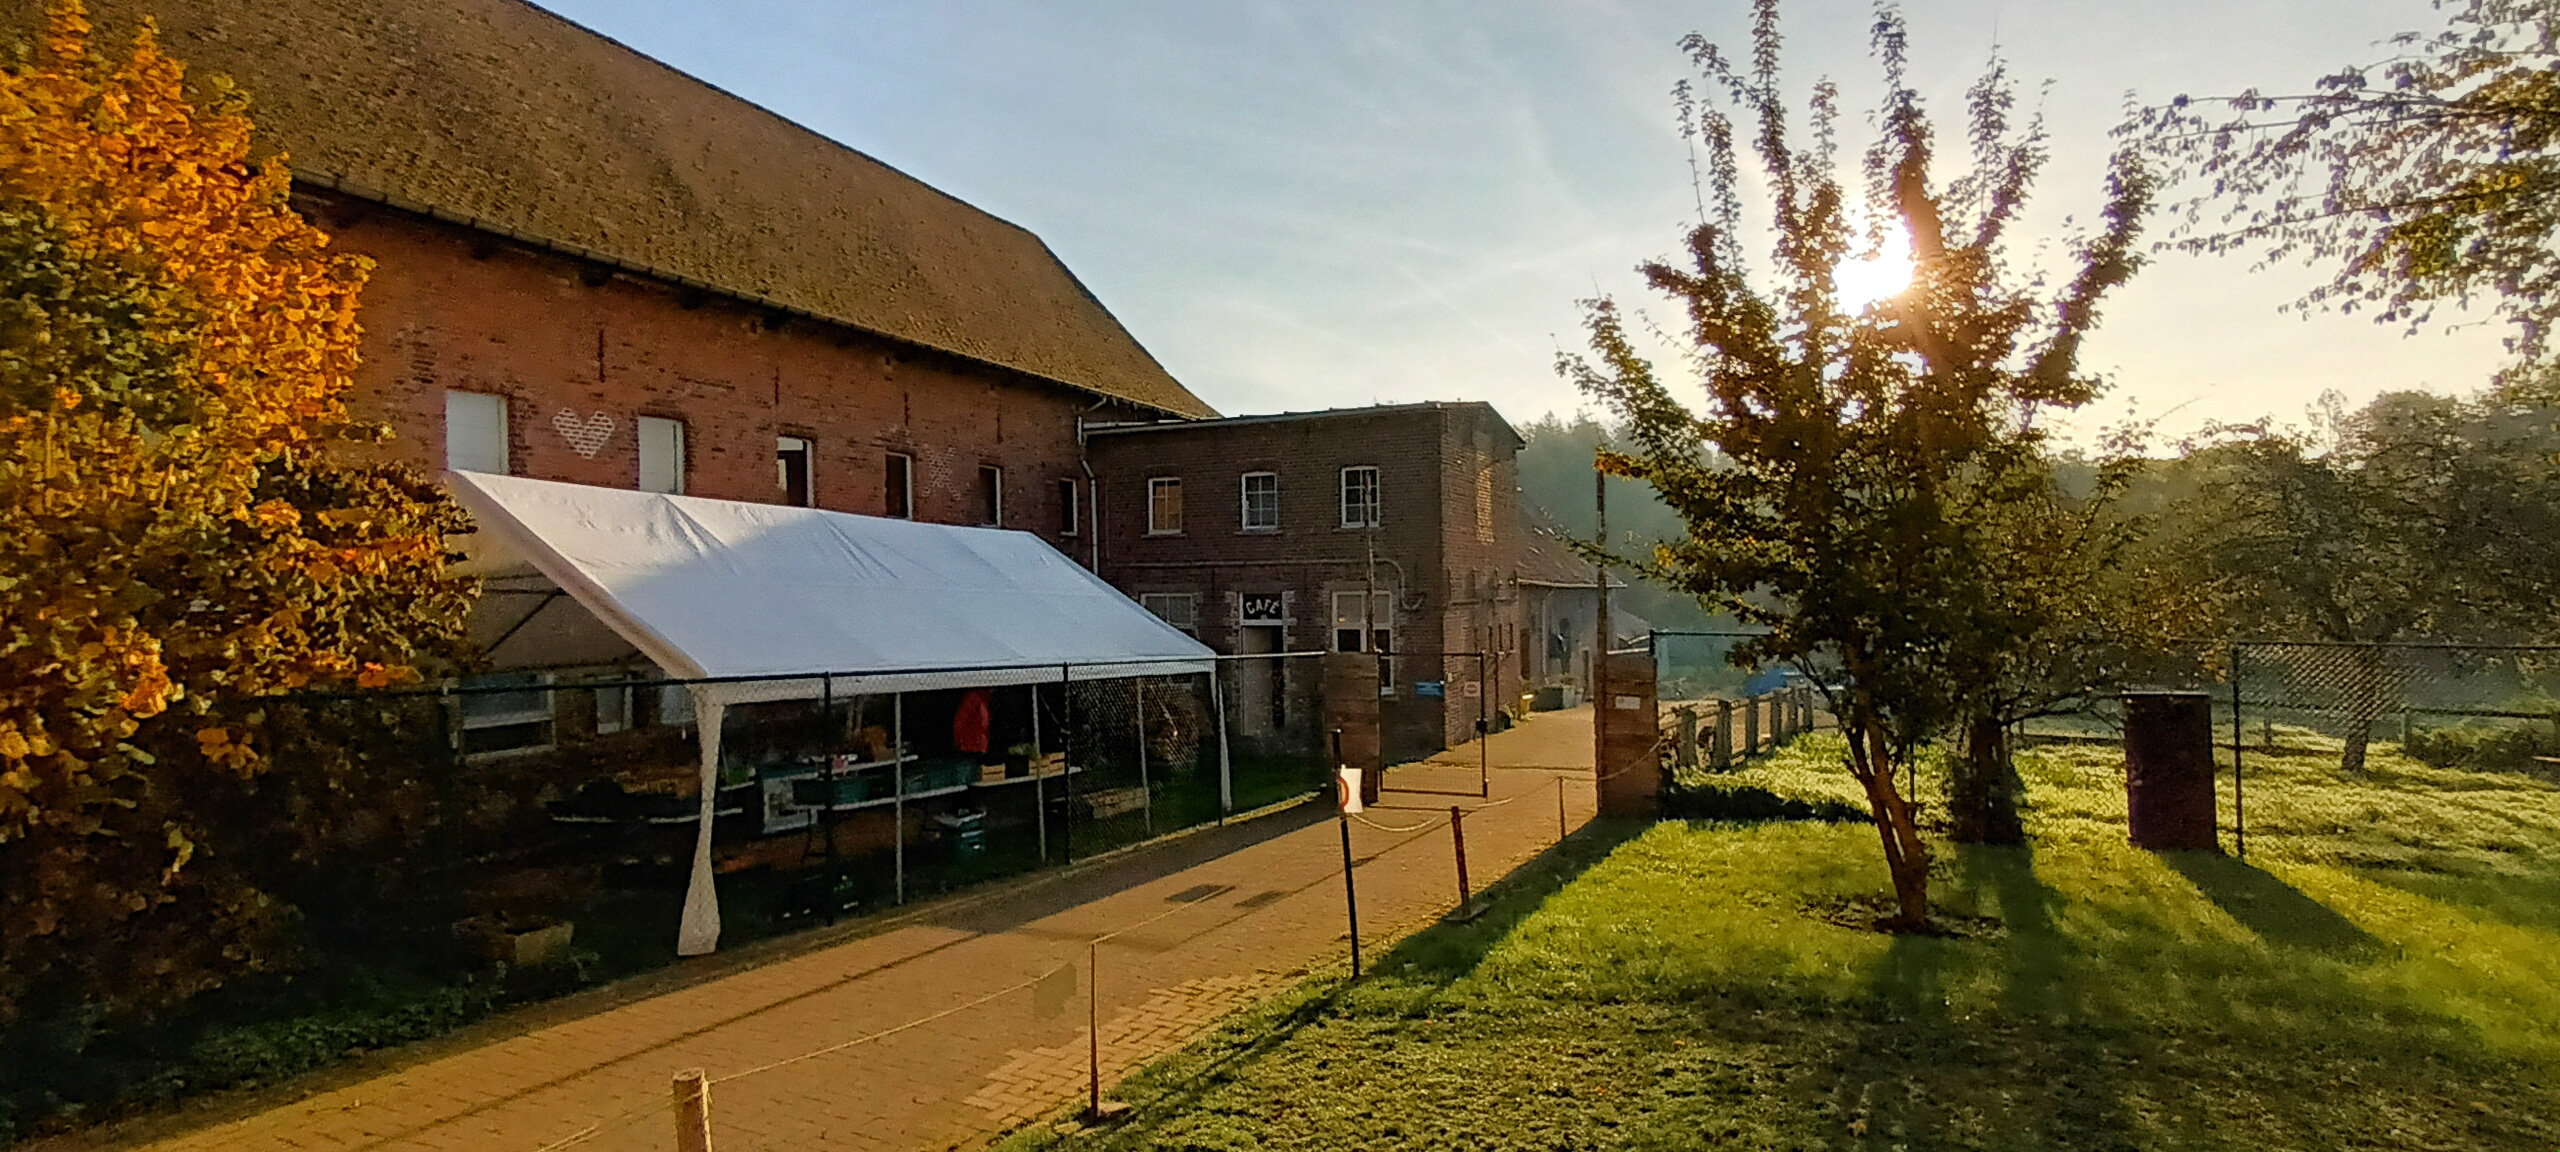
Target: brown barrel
2168 770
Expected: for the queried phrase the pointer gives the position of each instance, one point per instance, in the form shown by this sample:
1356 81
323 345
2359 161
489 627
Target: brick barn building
593 268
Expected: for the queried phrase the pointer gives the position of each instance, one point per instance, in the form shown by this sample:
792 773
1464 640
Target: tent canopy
712 589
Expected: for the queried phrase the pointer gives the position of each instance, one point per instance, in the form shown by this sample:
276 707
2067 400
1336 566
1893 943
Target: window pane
1261 501
898 491
1069 497
791 470
661 455
1360 497
991 496
475 432
1164 505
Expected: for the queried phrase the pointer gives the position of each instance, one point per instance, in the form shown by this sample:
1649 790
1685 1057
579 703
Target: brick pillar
1351 705
1630 739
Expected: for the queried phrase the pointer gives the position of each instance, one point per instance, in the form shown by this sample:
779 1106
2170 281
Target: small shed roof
770 597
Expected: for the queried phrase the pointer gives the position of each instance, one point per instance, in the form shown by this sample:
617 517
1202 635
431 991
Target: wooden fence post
693 1111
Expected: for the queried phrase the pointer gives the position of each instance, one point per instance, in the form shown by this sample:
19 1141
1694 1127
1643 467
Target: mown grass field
2383 972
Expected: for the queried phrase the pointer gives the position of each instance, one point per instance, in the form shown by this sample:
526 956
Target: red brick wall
1427 458
449 308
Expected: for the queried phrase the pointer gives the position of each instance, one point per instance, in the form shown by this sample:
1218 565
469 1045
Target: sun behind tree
175 532
1857 471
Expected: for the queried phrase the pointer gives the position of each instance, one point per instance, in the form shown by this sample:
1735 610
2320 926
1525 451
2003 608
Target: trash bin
2168 771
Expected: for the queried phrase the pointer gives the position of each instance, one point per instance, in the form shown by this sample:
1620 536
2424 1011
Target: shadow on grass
2530 901
1913 1070
1750 803
1434 958
2278 912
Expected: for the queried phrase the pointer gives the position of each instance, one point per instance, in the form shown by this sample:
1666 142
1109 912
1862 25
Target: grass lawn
2384 972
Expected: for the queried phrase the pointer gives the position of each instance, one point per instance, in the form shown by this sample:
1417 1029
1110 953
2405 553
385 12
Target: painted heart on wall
586 435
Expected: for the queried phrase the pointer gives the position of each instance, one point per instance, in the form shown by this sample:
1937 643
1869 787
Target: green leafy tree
1837 483
2433 175
2416 517
179 537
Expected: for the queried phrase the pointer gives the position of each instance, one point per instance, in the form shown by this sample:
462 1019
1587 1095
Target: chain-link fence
442 852
2446 705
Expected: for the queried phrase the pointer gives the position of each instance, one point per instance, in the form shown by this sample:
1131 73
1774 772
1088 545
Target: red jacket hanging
969 726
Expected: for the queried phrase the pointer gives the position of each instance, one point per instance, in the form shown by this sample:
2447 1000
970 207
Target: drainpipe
1092 495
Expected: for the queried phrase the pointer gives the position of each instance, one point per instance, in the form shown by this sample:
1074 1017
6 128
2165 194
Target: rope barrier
609 1123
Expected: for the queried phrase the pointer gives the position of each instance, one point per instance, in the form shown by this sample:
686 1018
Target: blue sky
1299 205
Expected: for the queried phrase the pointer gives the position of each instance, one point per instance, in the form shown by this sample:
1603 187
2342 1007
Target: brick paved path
1221 917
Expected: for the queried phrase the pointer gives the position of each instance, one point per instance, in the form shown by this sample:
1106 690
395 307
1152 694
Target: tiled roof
498 113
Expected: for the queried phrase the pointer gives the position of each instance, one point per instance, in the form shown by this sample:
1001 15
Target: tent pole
1066 724
1039 783
826 816
698 928
898 780
1226 768
1142 757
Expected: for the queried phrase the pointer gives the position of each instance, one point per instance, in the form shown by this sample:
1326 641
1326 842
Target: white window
662 455
1070 508
505 712
1261 501
792 470
1164 506
1180 609
613 709
899 490
675 705
991 496
1348 624
1360 497
475 432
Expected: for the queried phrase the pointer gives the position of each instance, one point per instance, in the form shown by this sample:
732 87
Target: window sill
1158 532
1257 531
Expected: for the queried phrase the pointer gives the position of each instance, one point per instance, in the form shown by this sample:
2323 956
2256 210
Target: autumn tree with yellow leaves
185 543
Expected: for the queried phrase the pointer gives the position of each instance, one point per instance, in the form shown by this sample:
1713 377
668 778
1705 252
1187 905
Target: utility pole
1600 640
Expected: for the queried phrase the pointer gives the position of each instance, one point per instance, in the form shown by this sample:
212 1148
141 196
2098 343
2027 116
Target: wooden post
693 1111
1560 831
1684 735
1750 727
1721 755
1458 843
1093 1029
1350 894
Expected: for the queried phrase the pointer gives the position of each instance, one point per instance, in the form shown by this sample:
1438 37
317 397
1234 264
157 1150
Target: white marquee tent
770 602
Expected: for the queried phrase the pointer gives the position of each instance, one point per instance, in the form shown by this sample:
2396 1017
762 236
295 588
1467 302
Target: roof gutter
394 200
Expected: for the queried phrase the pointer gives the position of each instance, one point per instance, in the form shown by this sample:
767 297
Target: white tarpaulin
713 589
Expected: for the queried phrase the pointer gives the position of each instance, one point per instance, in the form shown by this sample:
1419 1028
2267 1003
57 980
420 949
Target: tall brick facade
578 350
1446 550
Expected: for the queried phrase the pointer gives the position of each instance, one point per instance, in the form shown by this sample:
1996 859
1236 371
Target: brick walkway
1221 917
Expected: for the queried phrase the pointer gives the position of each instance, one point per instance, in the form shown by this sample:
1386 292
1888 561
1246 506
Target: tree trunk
1907 859
2366 692
1983 788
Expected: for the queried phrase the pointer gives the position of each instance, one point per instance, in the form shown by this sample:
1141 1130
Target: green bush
2508 747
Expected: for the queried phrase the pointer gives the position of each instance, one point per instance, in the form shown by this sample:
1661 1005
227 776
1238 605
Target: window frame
808 470
1155 486
991 491
641 429
1070 507
1244 502
1190 602
505 431
901 465
1373 497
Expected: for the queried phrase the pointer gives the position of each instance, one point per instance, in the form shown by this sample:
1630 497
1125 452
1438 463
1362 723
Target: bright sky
1299 205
